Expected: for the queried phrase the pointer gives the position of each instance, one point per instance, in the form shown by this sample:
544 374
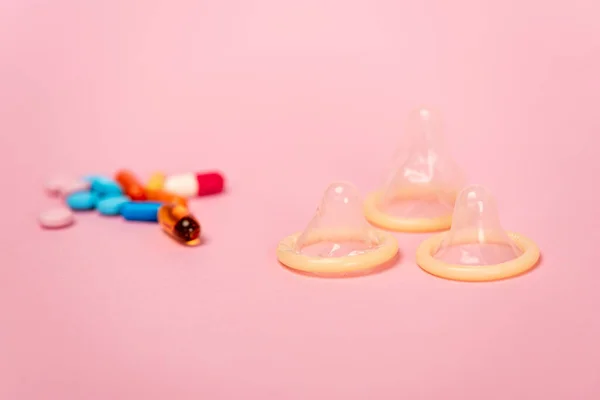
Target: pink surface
285 97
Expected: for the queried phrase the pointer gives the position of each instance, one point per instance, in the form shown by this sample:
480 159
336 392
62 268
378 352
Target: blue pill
80 201
141 211
105 187
91 178
111 205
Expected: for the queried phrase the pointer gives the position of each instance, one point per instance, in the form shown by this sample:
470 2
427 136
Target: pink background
285 97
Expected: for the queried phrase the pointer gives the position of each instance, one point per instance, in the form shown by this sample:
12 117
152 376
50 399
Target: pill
82 201
200 184
55 186
177 221
130 185
79 185
166 197
56 218
141 211
92 177
105 187
66 186
156 181
111 205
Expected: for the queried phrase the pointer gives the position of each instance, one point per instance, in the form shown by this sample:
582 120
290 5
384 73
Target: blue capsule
105 187
80 201
111 205
141 211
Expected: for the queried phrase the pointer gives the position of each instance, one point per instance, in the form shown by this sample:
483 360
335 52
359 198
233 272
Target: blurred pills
112 205
156 182
81 201
177 221
146 211
75 186
55 186
56 218
195 184
166 197
163 200
105 187
65 186
130 185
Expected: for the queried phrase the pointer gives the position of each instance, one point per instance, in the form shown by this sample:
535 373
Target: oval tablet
80 201
55 186
91 178
75 186
141 211
56 218
104 187
111 205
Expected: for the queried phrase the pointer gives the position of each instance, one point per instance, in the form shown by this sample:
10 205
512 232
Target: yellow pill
156 181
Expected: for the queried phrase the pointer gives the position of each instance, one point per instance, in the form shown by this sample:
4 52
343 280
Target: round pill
104 187
55 186
56 218
82 201
111 205
75 186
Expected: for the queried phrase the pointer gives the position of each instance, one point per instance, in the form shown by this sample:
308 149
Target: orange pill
166 197
131 186
177 221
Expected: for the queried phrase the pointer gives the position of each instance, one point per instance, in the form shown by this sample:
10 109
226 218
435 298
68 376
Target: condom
420 192
477 248
338 239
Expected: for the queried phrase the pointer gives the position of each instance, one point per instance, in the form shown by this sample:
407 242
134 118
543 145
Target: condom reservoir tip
338 239
419 193
477 247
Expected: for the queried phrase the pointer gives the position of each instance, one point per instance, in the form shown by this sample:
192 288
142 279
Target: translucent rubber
420 192
477 248
338 239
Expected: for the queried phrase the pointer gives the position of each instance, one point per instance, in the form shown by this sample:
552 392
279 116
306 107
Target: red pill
198 184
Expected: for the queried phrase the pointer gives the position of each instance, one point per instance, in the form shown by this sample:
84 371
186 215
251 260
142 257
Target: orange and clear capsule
166 197
131 186
156 182
177 221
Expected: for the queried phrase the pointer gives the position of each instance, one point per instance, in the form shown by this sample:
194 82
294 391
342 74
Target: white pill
185 185
56 218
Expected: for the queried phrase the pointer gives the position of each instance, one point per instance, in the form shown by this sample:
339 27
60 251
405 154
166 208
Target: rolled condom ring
338 240
420 192
477 248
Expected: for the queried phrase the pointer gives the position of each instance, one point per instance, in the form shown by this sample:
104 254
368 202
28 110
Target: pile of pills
162 200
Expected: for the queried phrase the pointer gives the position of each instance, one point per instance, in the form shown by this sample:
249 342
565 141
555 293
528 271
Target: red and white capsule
194 184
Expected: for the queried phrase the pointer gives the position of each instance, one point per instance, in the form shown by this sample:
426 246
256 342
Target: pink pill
75 186
56 218
64 186
55 186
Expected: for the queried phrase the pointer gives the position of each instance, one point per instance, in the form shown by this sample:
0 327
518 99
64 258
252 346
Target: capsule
166 197
131 186
146 211
156 182
195 184
177 221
